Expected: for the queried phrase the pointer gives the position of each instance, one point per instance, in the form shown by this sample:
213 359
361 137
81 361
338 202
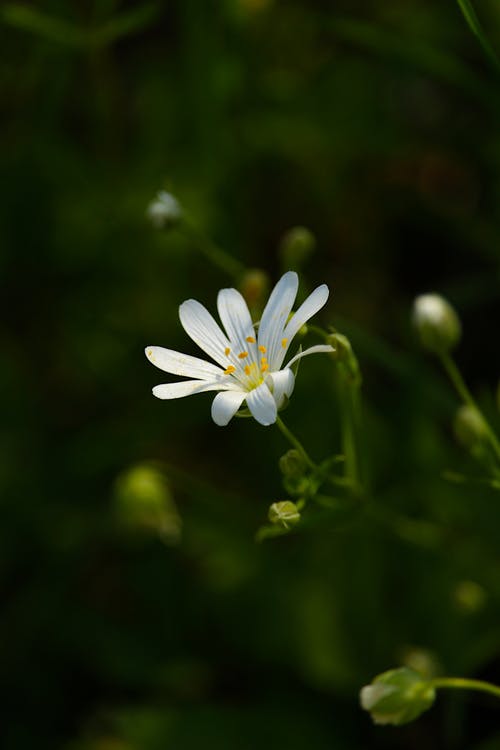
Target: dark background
377 126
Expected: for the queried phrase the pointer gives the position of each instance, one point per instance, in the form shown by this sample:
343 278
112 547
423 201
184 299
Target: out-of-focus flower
164 211
397 696
470 428
144 503
285 513
437 323
249 362
296 247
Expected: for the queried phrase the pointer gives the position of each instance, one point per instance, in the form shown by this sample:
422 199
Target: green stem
474 25
296 443
216 255
467 397
462 683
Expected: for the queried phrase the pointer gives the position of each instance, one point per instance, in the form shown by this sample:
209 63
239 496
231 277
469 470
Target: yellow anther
242 355
262 349
229 370
263 361
227 351
250 339
264 368
284 342
248 369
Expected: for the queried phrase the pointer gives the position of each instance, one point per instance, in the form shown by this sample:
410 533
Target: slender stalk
215 254
466 396
462 683
296 443
474 25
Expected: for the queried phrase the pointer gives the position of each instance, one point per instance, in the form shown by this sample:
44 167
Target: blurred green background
377 126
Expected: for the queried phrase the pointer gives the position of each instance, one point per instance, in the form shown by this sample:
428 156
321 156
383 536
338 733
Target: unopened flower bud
437 323
284 513
254 286
165 211
469 427
397 696
296 247
469 597
292 464
344 356
144 503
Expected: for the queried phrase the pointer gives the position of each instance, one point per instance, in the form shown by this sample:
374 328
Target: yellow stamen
242 355
263 361
264 368
229 370
227 351
250 339
248 369
284 342
262 349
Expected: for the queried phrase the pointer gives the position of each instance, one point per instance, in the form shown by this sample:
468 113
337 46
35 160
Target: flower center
247 366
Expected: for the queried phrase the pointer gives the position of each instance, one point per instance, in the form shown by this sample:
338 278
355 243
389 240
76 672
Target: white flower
250 362
164 211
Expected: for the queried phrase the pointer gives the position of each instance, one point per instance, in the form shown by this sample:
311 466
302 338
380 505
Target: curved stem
464 393
462 683
474 25
215 254
296 443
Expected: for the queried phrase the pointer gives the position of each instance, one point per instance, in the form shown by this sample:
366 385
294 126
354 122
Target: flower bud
397 696
284 513
254 286
292 464
469 597
165 211
437 323
296 247
344 356
144 503
469 427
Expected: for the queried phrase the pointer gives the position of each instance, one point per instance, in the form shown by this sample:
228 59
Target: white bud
437 323
164 211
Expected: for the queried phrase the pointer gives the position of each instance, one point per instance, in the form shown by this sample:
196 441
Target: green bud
292 464
469 597
144 503
296 247
469 427
254 286
397 696
344 356
420 660
437 323
284 513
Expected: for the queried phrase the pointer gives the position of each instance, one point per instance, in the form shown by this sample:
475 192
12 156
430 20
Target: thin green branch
474 25
296 443
462 683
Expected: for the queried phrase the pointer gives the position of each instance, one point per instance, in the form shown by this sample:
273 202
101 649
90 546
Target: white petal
275 315
308 308
233 312
262 405
318 349
283 384
225 405
188 388
203 330
182 364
